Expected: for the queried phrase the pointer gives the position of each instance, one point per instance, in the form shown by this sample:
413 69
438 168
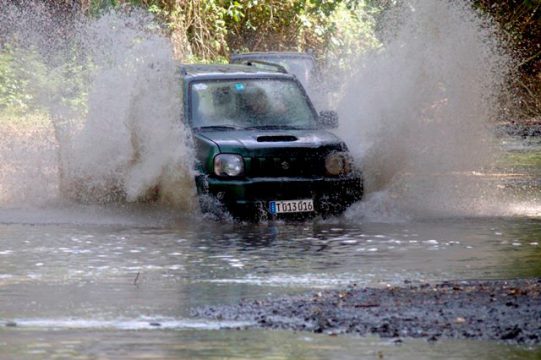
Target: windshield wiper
273 127
217 127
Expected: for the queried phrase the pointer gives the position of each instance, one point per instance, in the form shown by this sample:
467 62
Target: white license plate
291 206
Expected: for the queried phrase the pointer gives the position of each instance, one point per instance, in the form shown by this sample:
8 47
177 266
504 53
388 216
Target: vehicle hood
263 142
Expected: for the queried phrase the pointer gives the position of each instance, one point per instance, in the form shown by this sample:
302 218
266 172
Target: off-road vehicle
261 149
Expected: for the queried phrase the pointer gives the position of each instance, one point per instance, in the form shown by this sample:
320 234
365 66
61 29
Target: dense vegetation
209 30
521 22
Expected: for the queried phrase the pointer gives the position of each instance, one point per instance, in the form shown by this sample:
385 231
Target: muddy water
116 282
91 282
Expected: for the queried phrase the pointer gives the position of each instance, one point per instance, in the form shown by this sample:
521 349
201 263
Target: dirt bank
508 311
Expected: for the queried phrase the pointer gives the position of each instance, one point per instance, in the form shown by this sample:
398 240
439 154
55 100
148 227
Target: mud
504 310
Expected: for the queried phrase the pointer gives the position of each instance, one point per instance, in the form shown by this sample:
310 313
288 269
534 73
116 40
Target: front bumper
242 197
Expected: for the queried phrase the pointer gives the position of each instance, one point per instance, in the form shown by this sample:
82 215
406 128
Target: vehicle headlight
228 165
338 163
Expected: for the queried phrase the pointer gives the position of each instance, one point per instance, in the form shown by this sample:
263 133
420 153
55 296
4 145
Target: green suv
261 149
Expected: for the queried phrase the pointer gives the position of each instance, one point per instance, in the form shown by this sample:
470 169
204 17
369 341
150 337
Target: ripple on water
303 281
143 323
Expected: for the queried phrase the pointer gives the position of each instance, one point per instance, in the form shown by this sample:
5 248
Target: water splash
126 140
416 111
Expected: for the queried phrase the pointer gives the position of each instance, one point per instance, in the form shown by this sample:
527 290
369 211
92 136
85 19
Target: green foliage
28 84
319 25
21 79
11 87
211 29
353 31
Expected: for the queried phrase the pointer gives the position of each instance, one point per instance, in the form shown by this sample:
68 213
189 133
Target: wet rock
511 333
490 310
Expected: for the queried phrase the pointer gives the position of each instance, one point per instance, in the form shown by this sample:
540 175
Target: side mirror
328 119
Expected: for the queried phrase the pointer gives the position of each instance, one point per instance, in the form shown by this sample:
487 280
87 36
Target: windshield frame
289 78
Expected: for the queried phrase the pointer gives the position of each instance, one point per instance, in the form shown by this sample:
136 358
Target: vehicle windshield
250 103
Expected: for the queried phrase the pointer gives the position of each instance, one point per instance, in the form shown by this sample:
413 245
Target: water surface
122 285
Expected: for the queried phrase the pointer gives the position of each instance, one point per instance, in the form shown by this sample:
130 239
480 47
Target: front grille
287 166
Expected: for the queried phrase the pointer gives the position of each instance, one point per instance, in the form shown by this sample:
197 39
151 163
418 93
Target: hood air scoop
276 138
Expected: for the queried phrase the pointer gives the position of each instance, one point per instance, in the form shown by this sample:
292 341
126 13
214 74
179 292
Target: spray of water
416 111
127 141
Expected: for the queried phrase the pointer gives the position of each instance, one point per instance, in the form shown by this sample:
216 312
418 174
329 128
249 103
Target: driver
256 103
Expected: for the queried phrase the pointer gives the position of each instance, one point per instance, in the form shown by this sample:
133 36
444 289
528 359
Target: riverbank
502 310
